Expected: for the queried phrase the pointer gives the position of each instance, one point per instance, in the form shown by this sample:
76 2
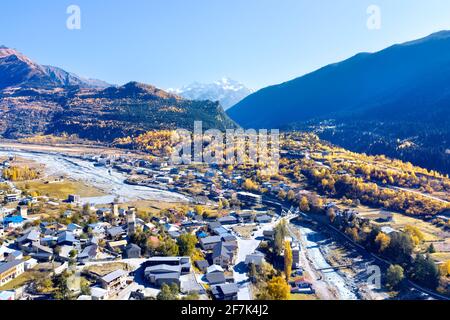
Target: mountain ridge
36 99
373 99
227 91
22 71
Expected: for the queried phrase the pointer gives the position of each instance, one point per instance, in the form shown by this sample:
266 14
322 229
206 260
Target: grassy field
244 231
430 232
299 296
441 256
104 269
60 190
23 279
23 162
152 207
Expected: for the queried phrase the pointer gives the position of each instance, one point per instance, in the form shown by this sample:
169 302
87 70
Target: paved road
246 247
429 196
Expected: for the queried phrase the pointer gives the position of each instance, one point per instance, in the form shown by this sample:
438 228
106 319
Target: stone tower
115 209
131 221
23 211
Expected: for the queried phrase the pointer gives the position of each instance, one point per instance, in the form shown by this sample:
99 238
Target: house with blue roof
67 238
202 234
13 222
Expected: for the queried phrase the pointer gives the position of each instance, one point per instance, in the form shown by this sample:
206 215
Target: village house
163 274
98 293
269 235
214 268
213 225
227 291
104 212
184 262
13 222
89 253
117 246
73 198
51 228
227 220
132 251
245 216
11 270
220 231
67 238
264 218
13 197
116 233
99 228
28 238
230 240
214 278
250 199
295 248
210 242
8 254
75 229
164 179
41 253
114 281
30 264
255 259
222 255
202 265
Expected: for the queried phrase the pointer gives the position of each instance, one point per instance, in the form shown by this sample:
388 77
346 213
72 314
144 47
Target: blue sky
170 43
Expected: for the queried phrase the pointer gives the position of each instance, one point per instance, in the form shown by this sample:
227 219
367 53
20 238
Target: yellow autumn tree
383 241
277 289
249 185
199 210
19 173
304 204
416 235
287 259
445 268
290 195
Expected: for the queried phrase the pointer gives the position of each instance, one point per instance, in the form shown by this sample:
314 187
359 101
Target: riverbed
311 242
109 181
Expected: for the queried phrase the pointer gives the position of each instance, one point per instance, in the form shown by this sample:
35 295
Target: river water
311 242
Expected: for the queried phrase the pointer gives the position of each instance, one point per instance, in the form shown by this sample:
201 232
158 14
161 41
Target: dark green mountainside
394 102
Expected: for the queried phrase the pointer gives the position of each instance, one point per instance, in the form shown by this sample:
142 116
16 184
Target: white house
75 229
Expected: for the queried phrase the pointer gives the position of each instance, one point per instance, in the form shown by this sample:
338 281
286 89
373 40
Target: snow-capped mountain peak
227 91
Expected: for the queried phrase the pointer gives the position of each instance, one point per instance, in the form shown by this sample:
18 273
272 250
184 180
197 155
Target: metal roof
9 265
114 275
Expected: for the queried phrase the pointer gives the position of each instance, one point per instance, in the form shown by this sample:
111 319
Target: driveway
246 247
